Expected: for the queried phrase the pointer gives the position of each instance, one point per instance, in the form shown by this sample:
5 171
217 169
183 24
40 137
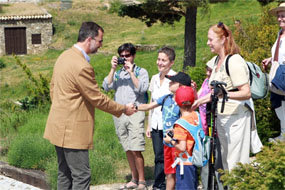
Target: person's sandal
141 183
131 186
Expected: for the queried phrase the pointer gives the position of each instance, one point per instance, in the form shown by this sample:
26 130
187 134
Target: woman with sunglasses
233 124
130 83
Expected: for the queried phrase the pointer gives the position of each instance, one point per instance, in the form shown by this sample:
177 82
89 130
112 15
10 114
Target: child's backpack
137 73
201 150
259 84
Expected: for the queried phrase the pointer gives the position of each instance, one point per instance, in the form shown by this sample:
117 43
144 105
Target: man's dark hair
129 47
88 29
168 51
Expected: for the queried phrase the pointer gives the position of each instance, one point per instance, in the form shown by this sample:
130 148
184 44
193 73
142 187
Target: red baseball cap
184 96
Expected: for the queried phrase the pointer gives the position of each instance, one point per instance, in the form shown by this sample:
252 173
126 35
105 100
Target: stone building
25 28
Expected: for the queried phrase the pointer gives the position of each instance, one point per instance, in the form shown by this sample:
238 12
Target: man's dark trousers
73 169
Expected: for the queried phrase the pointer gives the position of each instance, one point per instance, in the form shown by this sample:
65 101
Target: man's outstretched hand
130 109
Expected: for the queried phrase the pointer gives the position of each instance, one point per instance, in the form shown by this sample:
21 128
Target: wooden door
15 41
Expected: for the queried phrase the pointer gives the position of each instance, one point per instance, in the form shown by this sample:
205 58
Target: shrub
255 41
115 6
39 91
263 173
2 64
29 151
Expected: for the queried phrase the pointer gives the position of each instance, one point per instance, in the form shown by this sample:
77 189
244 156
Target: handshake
130 108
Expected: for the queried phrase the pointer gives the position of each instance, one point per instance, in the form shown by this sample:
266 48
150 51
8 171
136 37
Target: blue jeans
157 143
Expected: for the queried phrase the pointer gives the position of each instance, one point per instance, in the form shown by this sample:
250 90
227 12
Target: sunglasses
126 55
222 26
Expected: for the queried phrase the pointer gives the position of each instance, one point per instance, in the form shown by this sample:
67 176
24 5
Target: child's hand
193 85
167 138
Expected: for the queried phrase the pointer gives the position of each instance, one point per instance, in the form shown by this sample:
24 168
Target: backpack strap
117 74
163 101
227 65
227 70
250 73
136 72
193 130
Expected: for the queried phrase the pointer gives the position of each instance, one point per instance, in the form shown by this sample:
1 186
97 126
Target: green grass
20 130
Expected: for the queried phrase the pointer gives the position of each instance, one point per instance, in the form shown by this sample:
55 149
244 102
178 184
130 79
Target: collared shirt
83 52
158 91
125 90
281 54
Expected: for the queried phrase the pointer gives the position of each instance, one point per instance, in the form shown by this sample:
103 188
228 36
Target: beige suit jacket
75 95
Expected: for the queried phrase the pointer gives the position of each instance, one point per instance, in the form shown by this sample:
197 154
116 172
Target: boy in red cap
170 113
183 141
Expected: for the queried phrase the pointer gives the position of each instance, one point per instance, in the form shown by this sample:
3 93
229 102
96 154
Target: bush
39 91
263 173
2 64
255 41
30 151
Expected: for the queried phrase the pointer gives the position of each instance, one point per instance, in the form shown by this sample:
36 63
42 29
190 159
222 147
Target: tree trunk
190 37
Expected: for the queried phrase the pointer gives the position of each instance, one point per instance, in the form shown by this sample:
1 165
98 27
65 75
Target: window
36 39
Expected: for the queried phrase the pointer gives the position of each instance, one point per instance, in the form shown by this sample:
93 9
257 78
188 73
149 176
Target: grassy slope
13 83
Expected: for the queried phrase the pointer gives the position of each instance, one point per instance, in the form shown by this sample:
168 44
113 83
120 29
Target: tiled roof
23 11
26 17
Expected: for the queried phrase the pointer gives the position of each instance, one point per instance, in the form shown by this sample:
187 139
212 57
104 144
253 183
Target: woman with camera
233 124
130 83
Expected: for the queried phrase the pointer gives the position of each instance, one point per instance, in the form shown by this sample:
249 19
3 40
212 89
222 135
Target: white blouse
158 91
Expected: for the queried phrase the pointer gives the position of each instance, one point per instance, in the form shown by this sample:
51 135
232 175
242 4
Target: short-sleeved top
204 91
170 113
239 75
182 134
125 90
158 91
281 53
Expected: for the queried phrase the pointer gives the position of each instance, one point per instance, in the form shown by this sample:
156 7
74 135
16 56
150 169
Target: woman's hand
266 62
114 62
148 132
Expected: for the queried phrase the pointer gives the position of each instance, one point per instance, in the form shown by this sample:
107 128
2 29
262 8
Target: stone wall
33 26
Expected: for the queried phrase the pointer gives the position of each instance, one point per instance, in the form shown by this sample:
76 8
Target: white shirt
158 91
83 52
281 55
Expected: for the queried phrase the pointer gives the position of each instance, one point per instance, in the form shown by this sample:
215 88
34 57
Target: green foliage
2 64
40 90
198 74
152 11
263 173
255 41
51 171
115 6
11 121
265 2
29 151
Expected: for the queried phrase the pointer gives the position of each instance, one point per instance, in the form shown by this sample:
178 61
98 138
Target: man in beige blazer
75 95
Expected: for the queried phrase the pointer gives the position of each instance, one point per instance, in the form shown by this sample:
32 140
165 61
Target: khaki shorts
130 131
